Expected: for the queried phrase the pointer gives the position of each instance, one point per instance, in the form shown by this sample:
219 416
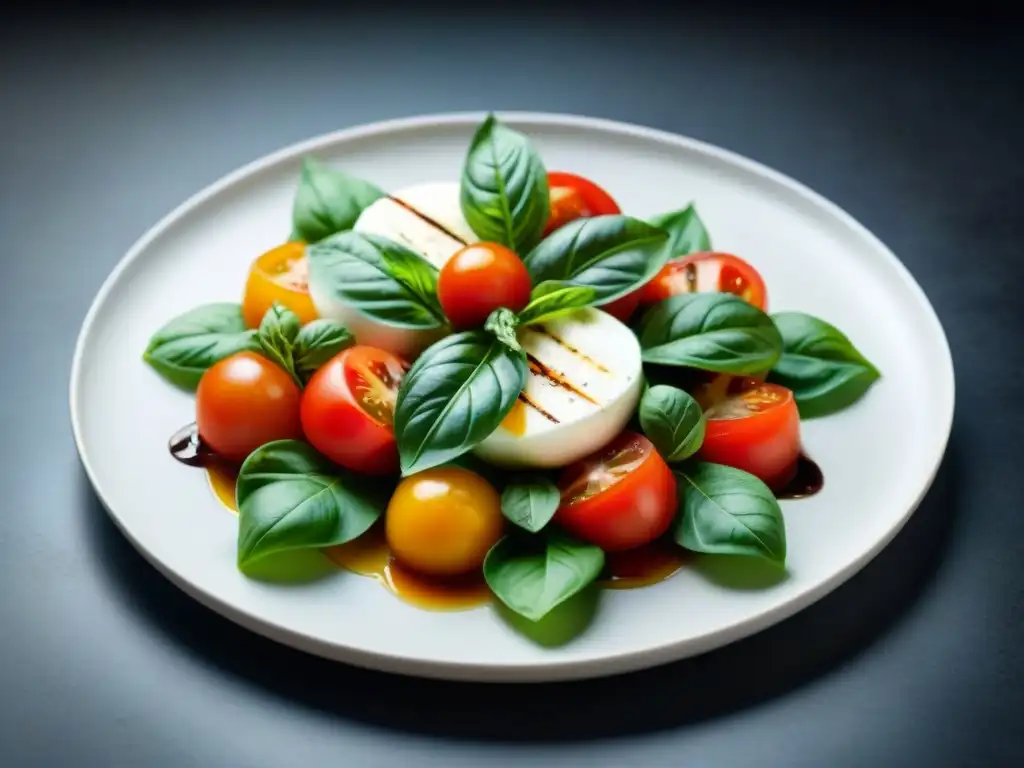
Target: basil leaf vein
188 344
328 201
317 342
354 269
455 395
534 574
553 298
724 510
612 255
673 421
716 332
820 364
504 187
290 497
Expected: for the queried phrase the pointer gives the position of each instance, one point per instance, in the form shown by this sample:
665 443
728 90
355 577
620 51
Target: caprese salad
508 377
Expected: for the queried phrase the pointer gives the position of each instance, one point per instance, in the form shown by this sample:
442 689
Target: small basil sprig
328 201
726 511
673 421
298 349
553 298
455 395
534 574
716 332
686 232
504 188
502 323
290 497
530 501
381 278
610 255
822 367
187 345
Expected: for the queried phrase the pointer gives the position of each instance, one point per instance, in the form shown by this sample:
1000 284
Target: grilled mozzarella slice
584 384
427 219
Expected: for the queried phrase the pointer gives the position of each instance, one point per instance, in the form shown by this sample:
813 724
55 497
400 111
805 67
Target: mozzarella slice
427 219
584 385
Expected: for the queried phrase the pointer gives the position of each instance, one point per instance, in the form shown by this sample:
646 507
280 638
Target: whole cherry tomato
478 279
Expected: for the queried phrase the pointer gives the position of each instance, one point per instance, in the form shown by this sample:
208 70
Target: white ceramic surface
879 456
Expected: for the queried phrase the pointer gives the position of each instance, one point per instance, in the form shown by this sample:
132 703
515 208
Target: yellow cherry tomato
281 274
442 522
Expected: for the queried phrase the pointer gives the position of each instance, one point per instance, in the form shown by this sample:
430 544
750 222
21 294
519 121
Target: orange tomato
281 274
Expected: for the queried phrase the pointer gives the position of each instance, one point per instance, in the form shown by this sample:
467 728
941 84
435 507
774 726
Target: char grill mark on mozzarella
525 400
538 368
573 350
427 219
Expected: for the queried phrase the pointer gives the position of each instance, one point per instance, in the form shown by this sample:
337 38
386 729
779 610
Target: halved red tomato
753 426
348 409
620 497
707 271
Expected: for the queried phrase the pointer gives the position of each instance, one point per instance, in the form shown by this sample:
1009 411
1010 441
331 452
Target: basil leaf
673 421
354 268
534 574
716 332
686 232
290 497
727 511
530 501
328 201
504 189
613 255
276 336
554 298
185 347
318 341
455 395
411 270
502 324
822 367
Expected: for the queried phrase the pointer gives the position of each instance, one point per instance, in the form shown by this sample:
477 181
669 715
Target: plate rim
531 672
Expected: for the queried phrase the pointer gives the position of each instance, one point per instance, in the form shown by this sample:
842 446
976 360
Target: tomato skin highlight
765 443
245 401
705 272
281 274
336 421
479 279
443 521
634 509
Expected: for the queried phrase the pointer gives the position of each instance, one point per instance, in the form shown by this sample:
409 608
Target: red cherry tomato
348 409
480 278
707 272
620 497
574 197
623 307
244 401
754 427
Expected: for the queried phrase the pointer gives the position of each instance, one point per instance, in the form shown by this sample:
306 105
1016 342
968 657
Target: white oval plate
879 457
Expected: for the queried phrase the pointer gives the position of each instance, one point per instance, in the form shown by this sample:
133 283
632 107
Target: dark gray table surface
107 124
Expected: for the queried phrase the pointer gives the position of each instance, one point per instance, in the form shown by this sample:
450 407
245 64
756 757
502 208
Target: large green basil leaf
820 364
185 347
554 298
673 421
318 341
455 395
504 189
291 497
357 270
534 574
716 332
613 255
328 201
686 232
726 511
530 501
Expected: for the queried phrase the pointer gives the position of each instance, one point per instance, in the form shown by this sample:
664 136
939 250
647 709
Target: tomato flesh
707 272
243 402
620 497
282 275
754 427
479 279
348 409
